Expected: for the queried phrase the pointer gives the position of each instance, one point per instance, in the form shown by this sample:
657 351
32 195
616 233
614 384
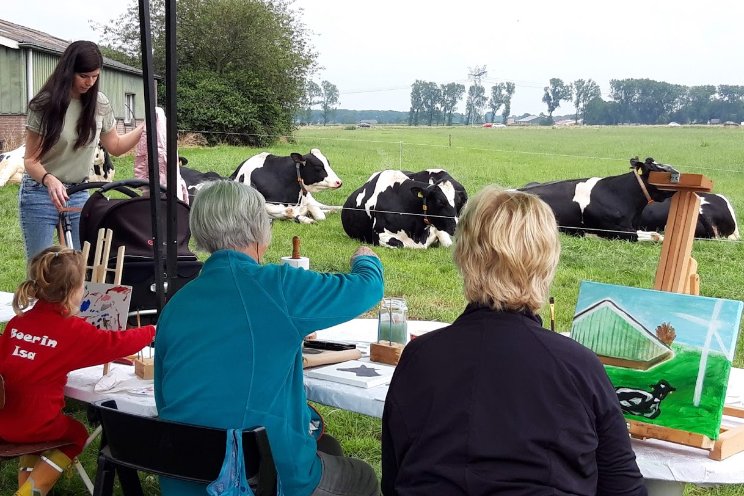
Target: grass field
476 157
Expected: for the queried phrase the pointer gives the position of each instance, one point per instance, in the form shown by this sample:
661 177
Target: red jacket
38 349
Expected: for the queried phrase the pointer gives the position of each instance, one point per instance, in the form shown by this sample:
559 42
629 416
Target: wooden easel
99 269
677 273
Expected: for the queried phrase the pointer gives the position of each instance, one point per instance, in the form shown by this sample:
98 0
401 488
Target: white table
6 306
666 466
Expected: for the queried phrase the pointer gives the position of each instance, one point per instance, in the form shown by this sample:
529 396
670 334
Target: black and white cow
287 183
195 179
12 166
644 403
606 206
102 169
455 191
716 219
393 210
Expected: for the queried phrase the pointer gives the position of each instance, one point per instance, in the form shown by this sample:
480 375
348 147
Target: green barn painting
667 354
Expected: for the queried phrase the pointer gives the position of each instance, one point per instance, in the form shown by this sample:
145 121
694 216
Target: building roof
529 118
16 37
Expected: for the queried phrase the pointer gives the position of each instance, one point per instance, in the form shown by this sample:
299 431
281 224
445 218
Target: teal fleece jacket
228 353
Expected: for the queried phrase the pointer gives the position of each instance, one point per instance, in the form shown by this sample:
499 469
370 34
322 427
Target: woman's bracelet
44 177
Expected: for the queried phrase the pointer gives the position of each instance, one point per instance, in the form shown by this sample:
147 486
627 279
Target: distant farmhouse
530 120
28 57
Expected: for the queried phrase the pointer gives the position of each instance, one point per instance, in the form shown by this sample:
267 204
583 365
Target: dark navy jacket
495 404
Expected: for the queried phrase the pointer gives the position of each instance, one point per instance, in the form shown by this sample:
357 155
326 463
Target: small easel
99 269
677 273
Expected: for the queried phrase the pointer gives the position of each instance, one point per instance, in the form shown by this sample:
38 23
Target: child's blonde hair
53 276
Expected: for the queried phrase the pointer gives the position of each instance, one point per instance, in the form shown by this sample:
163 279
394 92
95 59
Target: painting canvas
355 373
667 354
106 305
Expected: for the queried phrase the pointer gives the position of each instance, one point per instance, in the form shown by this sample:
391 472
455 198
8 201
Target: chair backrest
182 451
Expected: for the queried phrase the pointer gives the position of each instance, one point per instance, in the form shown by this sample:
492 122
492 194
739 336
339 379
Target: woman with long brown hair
66 119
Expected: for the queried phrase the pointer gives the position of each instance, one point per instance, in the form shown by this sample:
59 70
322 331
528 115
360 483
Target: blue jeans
39 218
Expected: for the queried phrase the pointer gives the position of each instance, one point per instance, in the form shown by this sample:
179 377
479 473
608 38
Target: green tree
554 94
311 97
431 101
583 93
263 42
497 99
508 92
452 93
328 100
417 102
474 104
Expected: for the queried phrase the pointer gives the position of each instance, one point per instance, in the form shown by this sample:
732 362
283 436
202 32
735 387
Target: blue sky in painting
651 308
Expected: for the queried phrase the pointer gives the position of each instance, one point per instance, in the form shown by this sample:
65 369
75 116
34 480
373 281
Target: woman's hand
362 251
57 191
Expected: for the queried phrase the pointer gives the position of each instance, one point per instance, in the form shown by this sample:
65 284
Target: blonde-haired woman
495 403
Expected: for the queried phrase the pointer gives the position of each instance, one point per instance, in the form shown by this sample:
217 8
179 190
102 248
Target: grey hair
228 214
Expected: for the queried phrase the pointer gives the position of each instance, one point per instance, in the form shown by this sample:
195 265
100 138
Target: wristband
44 177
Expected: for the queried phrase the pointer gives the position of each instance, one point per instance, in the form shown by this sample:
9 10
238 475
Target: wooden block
385 352
144 368
687 182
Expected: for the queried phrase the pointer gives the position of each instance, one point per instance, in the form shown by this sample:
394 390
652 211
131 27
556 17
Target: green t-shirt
66 163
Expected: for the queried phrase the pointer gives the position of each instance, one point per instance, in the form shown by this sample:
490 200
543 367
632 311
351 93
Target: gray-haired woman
228 352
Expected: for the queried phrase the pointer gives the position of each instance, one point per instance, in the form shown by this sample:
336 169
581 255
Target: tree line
632 101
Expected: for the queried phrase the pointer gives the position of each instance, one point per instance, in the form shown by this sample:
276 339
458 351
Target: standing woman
66 119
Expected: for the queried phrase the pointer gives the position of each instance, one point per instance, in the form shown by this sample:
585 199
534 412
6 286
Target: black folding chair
132 443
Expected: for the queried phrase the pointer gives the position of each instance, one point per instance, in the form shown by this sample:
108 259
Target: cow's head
643 169
436 209
315 171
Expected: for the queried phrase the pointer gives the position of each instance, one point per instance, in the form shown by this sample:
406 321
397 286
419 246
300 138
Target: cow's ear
297 158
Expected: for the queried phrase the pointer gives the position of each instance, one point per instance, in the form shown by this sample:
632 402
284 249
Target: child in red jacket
38 348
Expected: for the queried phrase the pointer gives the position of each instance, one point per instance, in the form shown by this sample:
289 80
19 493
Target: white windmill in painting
713 324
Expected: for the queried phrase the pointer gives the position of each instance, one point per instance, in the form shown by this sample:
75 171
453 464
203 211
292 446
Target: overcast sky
374 50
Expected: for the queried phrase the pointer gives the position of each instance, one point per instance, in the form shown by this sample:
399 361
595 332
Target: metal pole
171 68
152 150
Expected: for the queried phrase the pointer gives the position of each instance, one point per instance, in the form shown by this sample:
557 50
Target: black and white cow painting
455 191
287 183
609 207
393 210
715 220
644 403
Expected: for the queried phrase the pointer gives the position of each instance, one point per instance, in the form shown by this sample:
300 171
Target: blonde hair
507 249
53 276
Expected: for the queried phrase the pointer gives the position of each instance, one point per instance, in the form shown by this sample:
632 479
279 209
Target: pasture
510 157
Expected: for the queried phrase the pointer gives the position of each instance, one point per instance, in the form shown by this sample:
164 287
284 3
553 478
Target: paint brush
552 313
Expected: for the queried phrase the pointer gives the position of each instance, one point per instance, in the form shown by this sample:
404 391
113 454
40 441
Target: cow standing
716 218
393 210
609 207
287 183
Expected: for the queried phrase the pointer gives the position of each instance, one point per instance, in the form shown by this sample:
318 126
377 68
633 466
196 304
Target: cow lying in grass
287 183
715 220
393 210
609 207
12 166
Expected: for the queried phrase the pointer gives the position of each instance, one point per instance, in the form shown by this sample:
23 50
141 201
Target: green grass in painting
510 157
677 409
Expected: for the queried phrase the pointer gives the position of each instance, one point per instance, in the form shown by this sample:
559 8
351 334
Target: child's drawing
106 305
668 354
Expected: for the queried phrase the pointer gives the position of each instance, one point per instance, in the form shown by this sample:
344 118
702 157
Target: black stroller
129 218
